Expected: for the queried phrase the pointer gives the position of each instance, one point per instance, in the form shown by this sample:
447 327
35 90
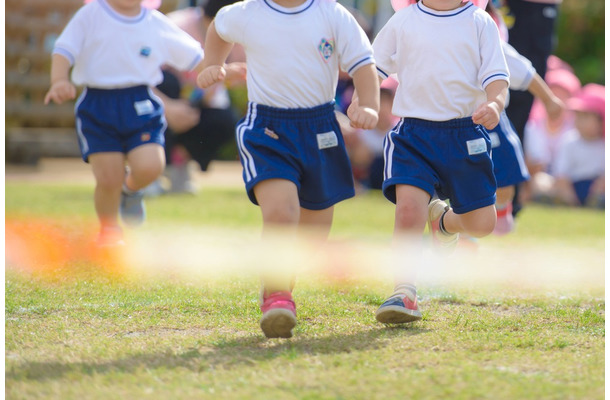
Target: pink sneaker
279 315
110 236
505 223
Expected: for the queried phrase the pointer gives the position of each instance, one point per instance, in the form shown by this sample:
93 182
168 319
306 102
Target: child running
295 165
453 82
115 49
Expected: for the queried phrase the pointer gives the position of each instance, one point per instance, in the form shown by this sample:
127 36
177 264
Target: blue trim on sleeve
349 71
504 76
196 61
382 73
65 53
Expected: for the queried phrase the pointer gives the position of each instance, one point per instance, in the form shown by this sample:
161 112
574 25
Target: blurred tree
580 38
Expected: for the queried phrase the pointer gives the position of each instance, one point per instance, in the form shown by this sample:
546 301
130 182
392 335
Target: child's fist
210 76
488 115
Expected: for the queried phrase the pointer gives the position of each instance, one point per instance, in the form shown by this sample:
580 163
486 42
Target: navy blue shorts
451 158
507 154
118 120
304 146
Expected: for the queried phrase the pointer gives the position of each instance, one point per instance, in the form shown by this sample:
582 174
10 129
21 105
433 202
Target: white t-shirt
443 60
294 54
541 146
110 50
520 68
579 159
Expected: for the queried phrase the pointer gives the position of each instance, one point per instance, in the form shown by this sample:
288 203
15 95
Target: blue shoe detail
398 310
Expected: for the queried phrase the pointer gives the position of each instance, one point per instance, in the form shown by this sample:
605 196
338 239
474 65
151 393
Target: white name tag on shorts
144 107
476 146
326 140
495 140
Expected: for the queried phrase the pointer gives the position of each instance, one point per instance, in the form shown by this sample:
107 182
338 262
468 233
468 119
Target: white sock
406 289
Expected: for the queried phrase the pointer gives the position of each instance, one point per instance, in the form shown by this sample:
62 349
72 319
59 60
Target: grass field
175 316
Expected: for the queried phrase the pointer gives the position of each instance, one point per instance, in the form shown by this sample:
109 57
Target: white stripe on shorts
249 167
389 150
79 124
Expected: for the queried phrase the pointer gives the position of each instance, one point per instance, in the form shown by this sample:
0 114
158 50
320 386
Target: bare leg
109 172
410 221
279 203
477 223
504 195
146 164
317 222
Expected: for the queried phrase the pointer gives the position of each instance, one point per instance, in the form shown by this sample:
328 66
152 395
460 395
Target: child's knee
281 214
482 227
479 223
148 172
410 216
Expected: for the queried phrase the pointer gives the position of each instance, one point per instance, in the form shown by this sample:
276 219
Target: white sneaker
445 243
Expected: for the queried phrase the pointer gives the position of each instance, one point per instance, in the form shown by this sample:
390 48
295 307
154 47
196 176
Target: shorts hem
511 182
389 187
475 206
260 178
329 203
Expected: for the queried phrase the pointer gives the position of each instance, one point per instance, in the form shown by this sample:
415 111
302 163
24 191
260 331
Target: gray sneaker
132 208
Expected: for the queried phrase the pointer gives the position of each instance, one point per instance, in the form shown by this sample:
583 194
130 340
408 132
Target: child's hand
211 75
235 72
554 108
488 115
60 91
362 117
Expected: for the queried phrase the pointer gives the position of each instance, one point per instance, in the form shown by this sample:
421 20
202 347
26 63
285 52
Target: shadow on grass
220 354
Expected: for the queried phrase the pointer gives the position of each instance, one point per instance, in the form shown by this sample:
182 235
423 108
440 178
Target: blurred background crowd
564 40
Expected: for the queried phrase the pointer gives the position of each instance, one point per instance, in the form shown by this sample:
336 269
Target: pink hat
564 79
389 83
591 98
150 4
554 62
400 4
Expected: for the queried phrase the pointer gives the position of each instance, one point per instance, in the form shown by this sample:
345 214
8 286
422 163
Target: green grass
528 323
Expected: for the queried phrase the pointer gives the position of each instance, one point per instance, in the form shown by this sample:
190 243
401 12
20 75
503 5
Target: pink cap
150 4
564 79
591 98
400 4
389 83
554 62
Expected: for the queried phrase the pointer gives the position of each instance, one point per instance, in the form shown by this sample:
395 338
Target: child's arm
61 88
488 114
216 52
363 112
553 104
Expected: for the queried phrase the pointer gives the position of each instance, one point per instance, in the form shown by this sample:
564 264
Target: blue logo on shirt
326 48
145 51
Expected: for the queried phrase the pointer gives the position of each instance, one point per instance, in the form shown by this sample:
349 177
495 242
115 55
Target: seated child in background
580 167
543 133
